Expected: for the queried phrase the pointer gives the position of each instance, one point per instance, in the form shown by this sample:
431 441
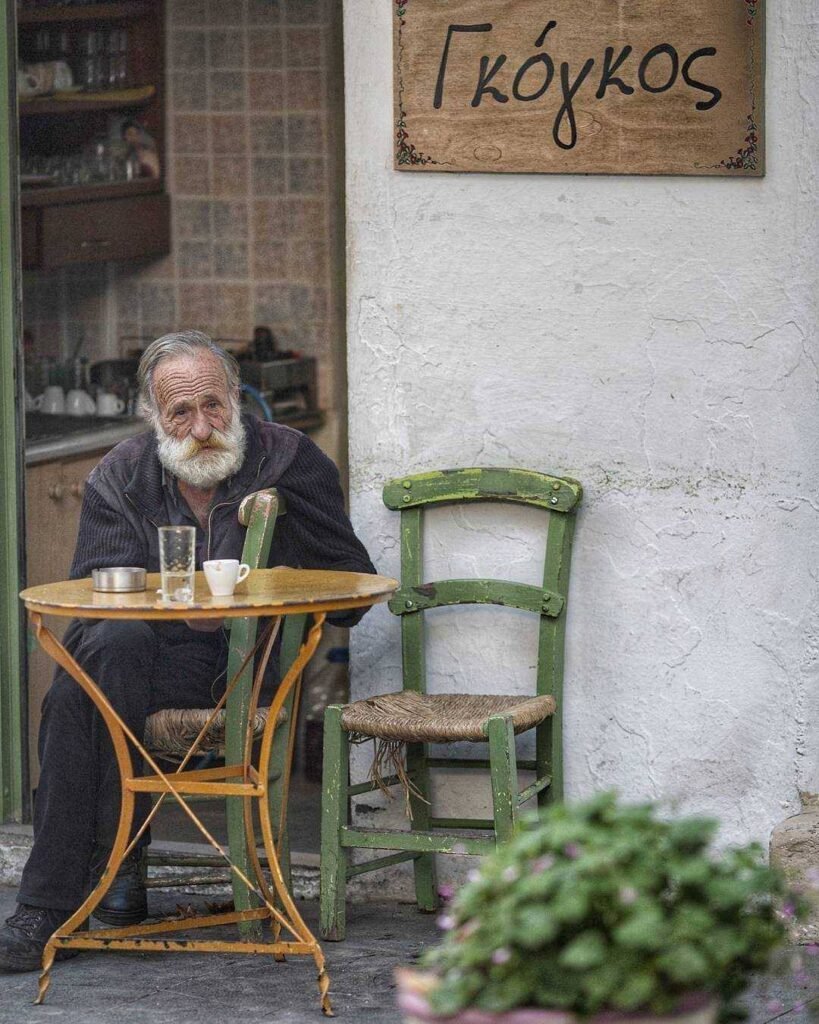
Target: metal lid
119 579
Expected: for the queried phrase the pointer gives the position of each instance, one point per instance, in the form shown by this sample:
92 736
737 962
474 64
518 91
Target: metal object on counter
118 579
288 385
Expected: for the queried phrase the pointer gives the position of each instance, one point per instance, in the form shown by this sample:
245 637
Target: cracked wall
656 339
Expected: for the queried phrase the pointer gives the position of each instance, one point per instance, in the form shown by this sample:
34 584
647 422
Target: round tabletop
264 592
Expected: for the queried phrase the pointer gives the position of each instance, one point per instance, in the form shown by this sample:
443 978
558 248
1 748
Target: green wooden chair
170 733
412 719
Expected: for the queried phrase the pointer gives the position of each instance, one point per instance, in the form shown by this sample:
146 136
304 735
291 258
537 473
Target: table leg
52 646
287 917
306 651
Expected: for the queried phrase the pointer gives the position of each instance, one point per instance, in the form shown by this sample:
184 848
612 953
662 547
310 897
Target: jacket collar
146 488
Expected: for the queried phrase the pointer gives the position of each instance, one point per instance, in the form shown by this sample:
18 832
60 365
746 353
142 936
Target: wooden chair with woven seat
170 733
412 719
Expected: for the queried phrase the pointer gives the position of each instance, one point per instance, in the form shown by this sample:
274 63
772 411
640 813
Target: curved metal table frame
270 593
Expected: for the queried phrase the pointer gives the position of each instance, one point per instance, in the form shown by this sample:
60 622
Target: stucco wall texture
655 338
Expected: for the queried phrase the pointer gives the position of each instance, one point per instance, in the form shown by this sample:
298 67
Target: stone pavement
151 988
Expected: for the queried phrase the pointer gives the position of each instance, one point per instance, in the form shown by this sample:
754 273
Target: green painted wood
484 823
410 600
371 787
532 790
423 842
334 818
426 881
474 764
503 775
551 642
260 517
13 787
411 495
520 486
412 627
376 863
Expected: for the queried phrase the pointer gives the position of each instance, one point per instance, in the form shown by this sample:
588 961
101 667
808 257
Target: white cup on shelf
79 403
51 401
109 405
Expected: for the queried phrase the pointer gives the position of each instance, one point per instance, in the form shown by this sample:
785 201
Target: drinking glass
177 552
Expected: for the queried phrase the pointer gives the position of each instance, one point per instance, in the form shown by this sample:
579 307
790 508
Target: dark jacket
128 495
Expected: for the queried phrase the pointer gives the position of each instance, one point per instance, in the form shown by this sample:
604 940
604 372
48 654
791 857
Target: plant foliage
602 906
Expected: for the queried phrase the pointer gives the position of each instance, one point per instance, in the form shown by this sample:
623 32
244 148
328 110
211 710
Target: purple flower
542 864
510 874
628 895
446 892
572 851
500 956
446 923
473 875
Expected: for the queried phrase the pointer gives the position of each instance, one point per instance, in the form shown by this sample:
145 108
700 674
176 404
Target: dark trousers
141 668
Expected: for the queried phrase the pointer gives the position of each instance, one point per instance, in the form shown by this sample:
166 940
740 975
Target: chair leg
334 816
549 759
426 878
278 785
242 897
503 772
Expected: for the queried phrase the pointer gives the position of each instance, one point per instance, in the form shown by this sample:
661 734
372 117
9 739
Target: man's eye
214 405
179 414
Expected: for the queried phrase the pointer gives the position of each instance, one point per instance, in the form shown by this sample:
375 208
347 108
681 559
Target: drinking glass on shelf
177 553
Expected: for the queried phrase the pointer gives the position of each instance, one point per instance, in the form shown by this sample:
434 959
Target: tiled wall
254 120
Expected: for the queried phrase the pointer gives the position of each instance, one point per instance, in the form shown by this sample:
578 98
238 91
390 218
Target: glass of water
177 554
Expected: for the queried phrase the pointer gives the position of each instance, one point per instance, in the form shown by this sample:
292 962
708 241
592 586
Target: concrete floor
148 988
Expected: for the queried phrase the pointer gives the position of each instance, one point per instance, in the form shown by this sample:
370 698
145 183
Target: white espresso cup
223 574
79 403
52 400
109 405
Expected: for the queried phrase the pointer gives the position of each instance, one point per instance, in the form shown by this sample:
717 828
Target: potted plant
602 911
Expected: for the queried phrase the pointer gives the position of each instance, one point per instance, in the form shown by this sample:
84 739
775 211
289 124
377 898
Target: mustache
190 447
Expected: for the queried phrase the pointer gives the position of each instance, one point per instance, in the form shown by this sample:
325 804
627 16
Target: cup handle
120 406
244 572
37 403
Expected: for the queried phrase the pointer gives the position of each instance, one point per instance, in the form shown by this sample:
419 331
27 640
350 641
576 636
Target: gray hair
179 343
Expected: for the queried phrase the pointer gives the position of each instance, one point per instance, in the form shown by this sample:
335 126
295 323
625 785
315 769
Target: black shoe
25 934
126 902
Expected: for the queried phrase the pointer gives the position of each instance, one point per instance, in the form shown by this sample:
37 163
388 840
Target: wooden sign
579 86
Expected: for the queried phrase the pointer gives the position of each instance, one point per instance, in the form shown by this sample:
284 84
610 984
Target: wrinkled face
192 397
201 436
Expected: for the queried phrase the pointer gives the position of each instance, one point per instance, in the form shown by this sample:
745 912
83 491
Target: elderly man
194 467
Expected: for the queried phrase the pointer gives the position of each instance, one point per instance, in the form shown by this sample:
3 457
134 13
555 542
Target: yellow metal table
268 593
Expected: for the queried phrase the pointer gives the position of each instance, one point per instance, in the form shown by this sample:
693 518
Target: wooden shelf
88 12
50 195
50 105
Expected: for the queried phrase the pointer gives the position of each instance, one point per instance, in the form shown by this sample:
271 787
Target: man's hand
204 625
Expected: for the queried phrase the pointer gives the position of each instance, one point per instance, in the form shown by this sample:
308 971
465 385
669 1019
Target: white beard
204 467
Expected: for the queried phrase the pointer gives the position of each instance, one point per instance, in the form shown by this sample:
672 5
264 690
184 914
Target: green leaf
636 992
685 964
589 949
644 930
534 926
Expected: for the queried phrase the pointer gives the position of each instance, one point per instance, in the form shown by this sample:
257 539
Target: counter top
49 438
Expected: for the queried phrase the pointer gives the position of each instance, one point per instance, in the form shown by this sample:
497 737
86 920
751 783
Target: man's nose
201 428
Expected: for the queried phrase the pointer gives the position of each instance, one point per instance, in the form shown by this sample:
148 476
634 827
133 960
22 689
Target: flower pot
413 987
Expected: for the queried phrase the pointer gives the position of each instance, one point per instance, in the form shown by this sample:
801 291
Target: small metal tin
119 579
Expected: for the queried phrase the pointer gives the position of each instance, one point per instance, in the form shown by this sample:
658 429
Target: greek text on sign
564 86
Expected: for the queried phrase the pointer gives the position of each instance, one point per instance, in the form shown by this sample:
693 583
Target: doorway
250 151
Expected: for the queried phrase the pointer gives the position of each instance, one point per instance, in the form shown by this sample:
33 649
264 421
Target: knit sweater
129 494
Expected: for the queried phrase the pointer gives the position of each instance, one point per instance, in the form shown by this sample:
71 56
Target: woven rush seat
439 718
172 731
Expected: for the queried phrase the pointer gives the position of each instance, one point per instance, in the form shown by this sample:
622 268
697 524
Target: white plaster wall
655 338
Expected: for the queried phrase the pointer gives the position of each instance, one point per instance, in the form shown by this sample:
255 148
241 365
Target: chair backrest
258 512
557 497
